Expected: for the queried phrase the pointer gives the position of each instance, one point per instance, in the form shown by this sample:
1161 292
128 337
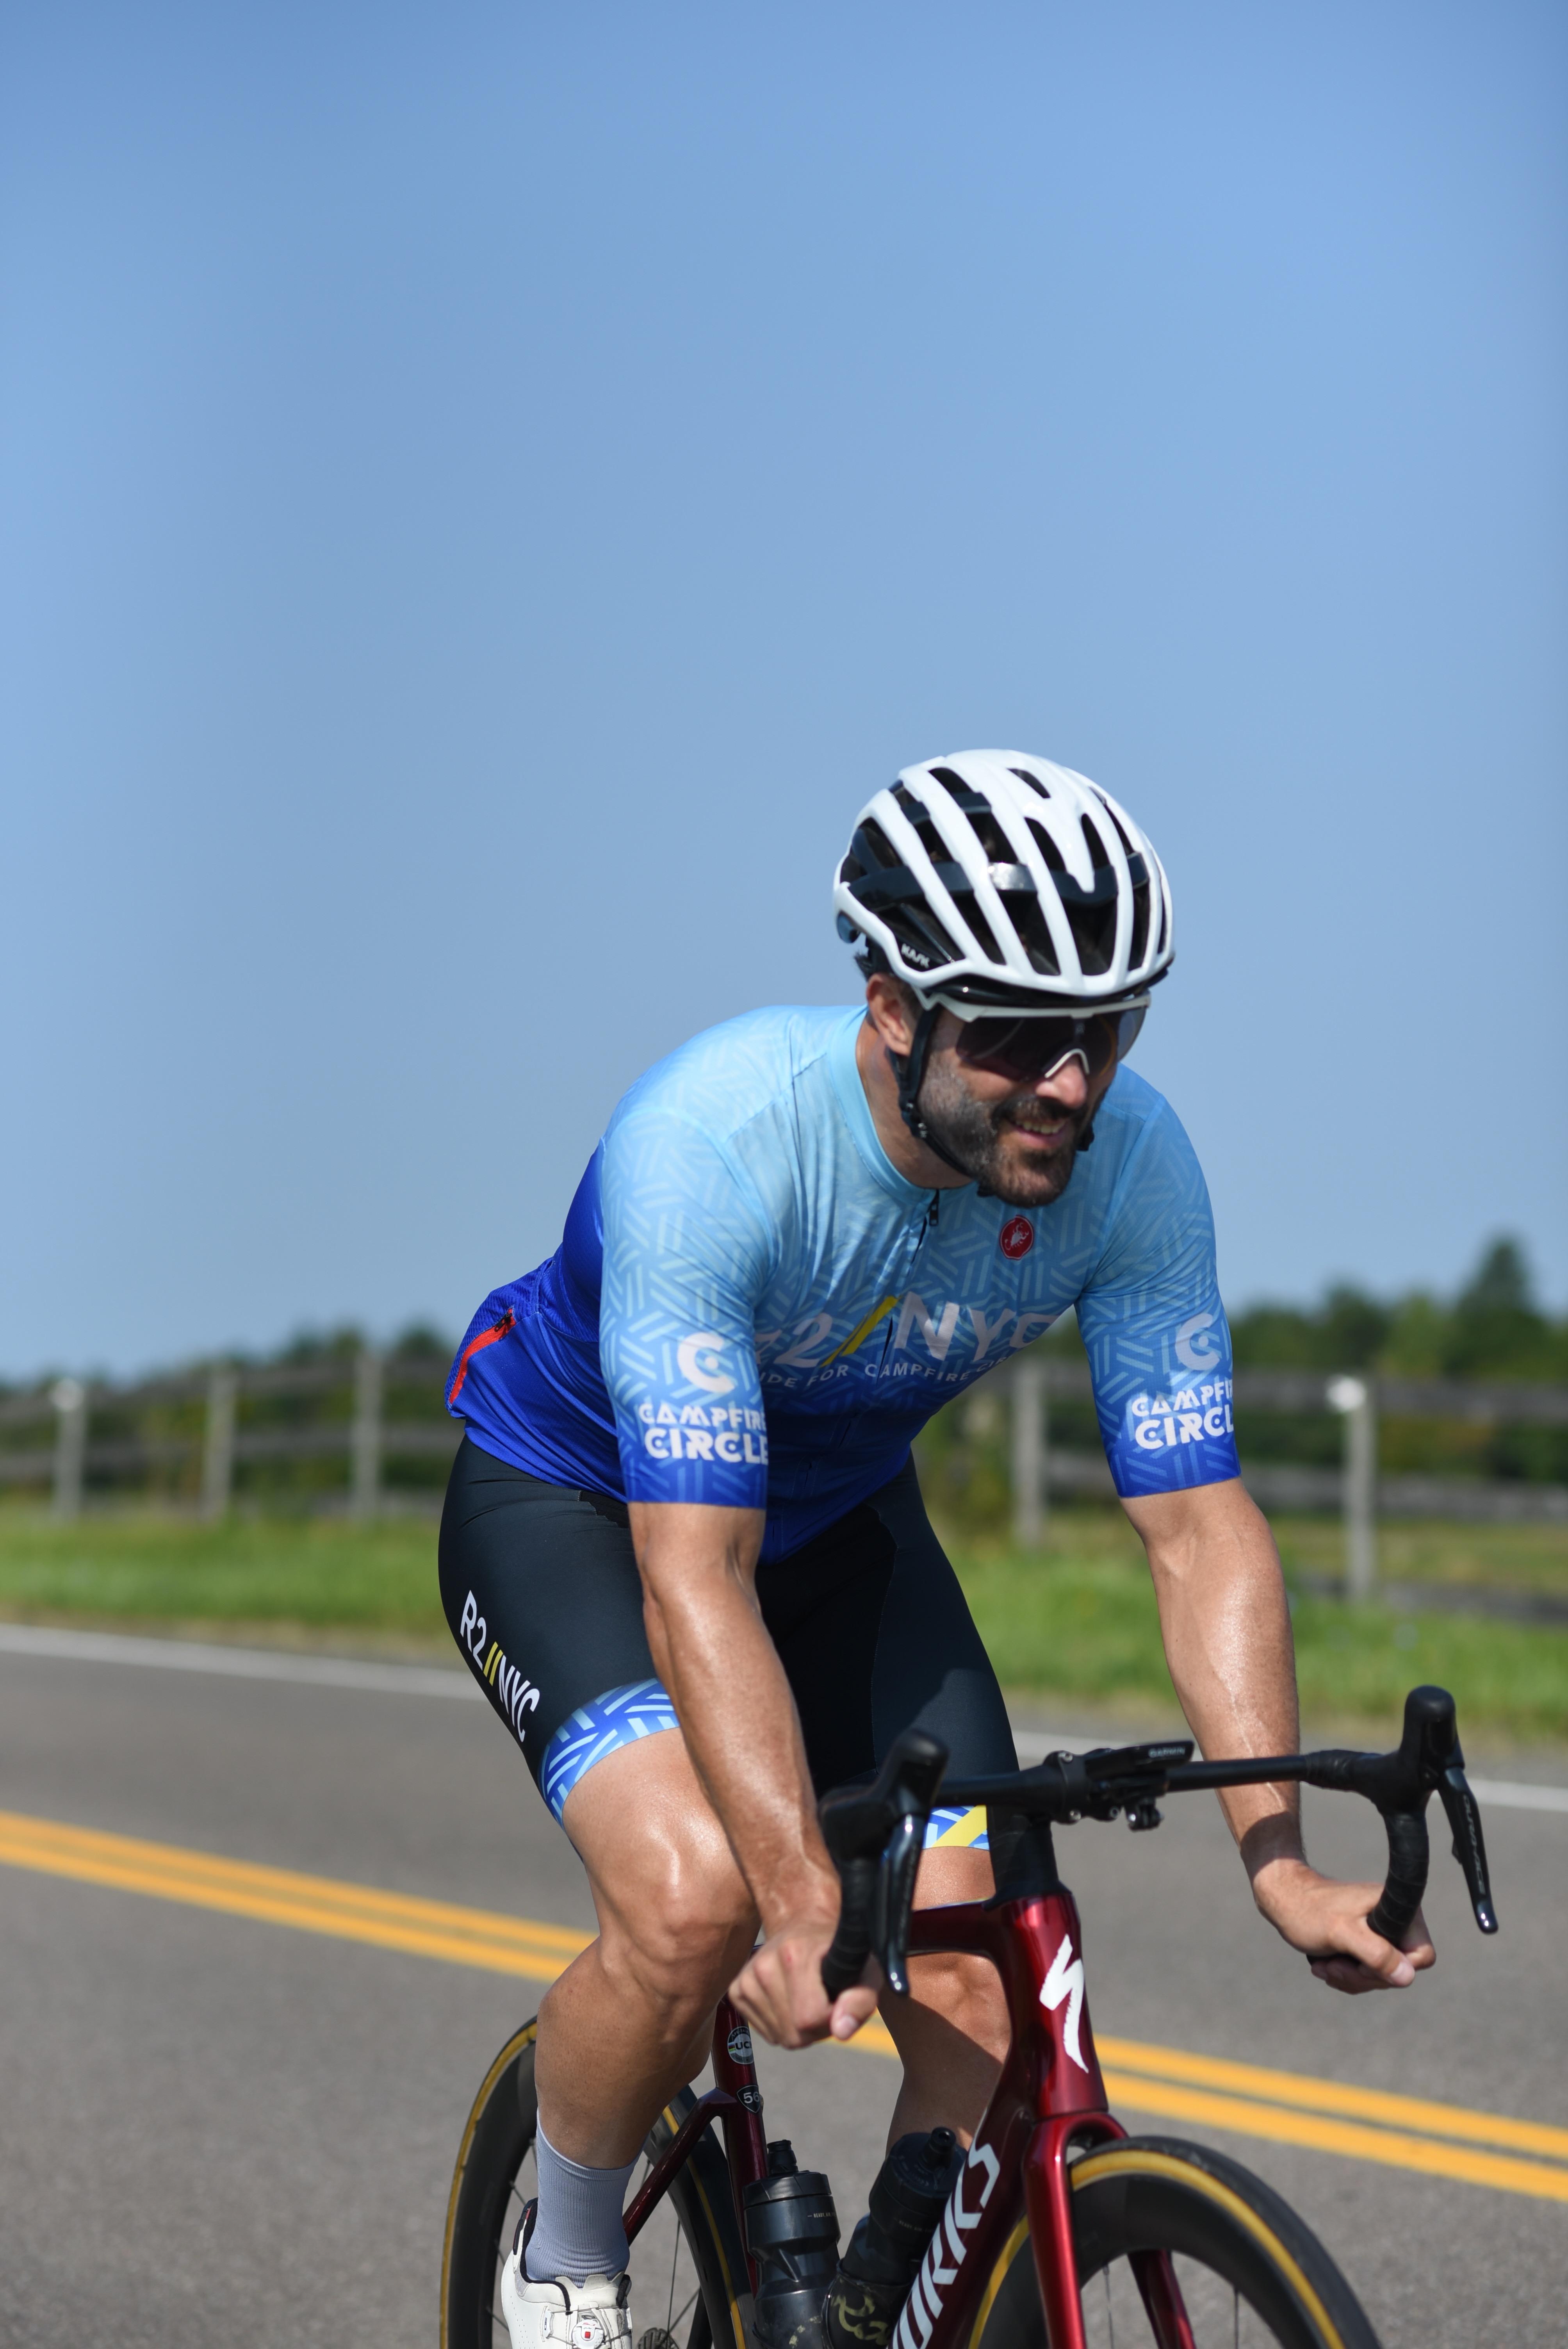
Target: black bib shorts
541 1589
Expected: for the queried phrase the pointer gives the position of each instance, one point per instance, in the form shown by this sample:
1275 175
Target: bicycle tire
1237 2247
485 2198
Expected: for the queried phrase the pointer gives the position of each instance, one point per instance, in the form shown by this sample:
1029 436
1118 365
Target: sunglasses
1030 1049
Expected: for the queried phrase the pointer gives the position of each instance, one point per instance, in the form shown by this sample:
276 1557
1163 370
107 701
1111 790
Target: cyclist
684 1547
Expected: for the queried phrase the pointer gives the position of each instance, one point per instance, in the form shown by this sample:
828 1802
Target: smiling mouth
1044 1135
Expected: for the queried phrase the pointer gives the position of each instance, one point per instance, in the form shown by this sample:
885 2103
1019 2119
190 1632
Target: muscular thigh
541 1592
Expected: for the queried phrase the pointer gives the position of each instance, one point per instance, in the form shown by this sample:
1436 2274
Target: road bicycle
1062 2231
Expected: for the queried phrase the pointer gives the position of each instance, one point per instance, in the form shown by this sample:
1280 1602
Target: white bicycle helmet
992 880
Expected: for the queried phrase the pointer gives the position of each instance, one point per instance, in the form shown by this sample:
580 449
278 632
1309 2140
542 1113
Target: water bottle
886 2249
792 2233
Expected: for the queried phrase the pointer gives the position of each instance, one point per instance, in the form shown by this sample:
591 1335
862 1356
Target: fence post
69 1397
1357 1400
1029 1463
217 1444
365 1438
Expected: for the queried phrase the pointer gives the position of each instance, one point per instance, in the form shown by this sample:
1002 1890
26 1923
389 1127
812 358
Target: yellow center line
1334 2097
1249 2099
281 1896
1396 2149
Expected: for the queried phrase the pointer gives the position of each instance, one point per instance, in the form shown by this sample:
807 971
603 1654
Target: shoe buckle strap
580 2328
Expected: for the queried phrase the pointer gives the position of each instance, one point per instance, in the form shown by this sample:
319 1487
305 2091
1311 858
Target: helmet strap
909 1067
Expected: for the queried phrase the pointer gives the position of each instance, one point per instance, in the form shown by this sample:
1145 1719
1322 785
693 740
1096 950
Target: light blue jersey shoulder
752 1307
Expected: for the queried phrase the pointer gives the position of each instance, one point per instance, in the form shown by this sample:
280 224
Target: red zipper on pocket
476 1345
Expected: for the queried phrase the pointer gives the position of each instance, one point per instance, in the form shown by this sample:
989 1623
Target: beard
980 1138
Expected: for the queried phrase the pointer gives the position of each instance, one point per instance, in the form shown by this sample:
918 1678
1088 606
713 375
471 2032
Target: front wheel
1247 2271
689 2287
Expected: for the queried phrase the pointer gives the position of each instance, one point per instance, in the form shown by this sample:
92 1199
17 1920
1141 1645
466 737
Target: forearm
714 1654
1226 1628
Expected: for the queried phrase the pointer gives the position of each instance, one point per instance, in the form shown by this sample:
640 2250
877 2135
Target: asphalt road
221 2129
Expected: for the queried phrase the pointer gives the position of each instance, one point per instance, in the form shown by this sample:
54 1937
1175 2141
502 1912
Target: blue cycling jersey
751 1307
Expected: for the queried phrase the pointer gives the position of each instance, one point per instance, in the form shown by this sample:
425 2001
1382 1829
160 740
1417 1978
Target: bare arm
1226 1628
712 1653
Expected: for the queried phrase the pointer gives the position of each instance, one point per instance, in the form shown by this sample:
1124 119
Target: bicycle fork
1049 2099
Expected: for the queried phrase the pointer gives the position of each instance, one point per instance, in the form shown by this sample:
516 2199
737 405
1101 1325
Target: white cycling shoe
561 2314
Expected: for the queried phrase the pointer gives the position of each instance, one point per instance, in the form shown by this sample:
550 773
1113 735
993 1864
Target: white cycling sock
579 2231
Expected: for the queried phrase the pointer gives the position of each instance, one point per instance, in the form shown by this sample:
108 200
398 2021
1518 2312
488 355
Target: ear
892 1011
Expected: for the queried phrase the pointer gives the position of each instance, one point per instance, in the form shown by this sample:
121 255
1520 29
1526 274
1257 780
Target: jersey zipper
927 1223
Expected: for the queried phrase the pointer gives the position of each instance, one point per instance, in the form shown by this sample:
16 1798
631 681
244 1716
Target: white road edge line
234 1664
438 1679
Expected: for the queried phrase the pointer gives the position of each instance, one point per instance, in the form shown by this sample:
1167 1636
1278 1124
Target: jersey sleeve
1157 1342
687 1254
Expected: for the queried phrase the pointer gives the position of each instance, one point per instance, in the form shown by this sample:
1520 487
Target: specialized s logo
948 2245
1064 1981
1016 1238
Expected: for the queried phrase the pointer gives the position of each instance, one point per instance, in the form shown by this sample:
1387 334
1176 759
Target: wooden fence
364 1439
1356 1487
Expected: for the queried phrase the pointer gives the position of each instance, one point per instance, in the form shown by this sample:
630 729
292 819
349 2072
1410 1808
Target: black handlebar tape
851 1944
1409 1855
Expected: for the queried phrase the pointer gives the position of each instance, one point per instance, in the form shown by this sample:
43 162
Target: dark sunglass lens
1022 1049
1100 1044
1030 1049
1127 1029
987 1039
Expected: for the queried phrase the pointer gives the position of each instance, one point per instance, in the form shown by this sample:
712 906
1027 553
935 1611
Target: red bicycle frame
1050 2097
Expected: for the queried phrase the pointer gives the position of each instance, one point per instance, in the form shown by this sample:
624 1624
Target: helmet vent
1120 832
1094 927
1033 781
979 924
1055 861
1139 921
929 839
874 850
998 848
1034 934
972 801
1099 856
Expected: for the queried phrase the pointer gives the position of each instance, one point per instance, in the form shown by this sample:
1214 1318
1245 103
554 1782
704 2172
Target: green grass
1080 1621
1076 1621
1509 1557
322 1574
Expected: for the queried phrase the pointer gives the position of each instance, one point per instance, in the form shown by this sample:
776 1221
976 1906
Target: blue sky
488 493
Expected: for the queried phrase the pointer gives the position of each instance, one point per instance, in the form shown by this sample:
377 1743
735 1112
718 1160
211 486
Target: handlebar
876 1834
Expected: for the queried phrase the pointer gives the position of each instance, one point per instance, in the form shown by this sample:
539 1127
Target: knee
964 1993
683 1941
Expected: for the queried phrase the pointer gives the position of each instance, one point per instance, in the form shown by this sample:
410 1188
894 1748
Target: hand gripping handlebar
875 1834
876 1837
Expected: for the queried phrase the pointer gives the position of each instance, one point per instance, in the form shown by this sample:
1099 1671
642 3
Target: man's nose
1066 1086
